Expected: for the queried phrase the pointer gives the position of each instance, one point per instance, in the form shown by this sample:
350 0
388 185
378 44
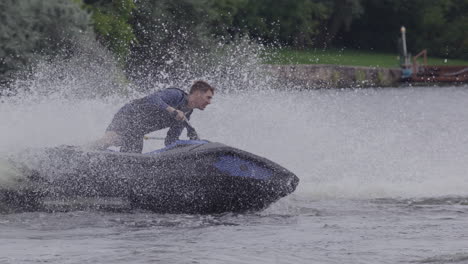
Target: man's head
200 95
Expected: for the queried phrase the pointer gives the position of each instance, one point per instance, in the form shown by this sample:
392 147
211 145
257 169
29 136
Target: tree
444 28
441 26
344 12
30 29
169 35
295 22
111 21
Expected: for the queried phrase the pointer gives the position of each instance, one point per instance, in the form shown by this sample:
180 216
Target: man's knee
132 145
110 138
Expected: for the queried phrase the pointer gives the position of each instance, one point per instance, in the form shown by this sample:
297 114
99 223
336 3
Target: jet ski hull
189 177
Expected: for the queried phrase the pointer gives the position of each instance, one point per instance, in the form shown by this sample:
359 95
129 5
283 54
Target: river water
383 179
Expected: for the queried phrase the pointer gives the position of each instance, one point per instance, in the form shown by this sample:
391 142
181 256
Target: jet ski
188 176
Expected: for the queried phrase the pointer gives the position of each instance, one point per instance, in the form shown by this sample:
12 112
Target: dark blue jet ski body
198 177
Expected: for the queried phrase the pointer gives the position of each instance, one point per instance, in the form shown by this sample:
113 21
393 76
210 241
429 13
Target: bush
30 29
111 21
169 34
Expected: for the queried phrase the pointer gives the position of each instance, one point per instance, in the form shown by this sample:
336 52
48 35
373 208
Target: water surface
382 180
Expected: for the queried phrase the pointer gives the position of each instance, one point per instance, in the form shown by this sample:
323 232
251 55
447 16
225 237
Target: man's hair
201 86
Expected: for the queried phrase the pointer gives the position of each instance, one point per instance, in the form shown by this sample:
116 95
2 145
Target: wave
351 144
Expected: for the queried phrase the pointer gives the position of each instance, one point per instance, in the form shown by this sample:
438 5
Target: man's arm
174 133
191 133
165 98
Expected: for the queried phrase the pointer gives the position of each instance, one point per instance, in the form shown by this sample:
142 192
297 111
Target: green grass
345 57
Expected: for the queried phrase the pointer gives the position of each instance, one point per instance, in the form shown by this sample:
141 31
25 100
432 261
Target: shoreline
319 76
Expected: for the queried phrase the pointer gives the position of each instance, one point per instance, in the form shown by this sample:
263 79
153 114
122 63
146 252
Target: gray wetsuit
148 114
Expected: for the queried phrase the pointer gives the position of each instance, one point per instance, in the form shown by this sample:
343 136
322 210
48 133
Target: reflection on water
359 144
383 180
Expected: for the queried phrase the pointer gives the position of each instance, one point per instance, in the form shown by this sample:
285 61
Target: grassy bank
345 57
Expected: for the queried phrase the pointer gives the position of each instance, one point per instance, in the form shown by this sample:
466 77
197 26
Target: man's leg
132 144
110 138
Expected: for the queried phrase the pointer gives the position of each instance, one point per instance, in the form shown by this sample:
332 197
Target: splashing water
341 143
71 100
346 146
353 144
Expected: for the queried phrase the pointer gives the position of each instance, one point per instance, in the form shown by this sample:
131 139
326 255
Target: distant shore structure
414 72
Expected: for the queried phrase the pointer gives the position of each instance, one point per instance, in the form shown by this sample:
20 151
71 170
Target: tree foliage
32 28
441 26
145 34
295 22
111 21
444 28
167 34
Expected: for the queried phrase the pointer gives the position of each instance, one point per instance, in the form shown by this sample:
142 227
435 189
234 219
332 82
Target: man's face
202 99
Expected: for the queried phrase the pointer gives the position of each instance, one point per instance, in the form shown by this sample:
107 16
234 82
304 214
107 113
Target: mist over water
70 100
370 143
348 147
353 143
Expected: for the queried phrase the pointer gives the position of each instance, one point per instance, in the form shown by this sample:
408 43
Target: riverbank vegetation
346 57
145 35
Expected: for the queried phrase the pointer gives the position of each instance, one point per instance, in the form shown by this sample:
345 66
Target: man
170 107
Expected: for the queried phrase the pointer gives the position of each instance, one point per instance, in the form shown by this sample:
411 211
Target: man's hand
179 115
192 134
